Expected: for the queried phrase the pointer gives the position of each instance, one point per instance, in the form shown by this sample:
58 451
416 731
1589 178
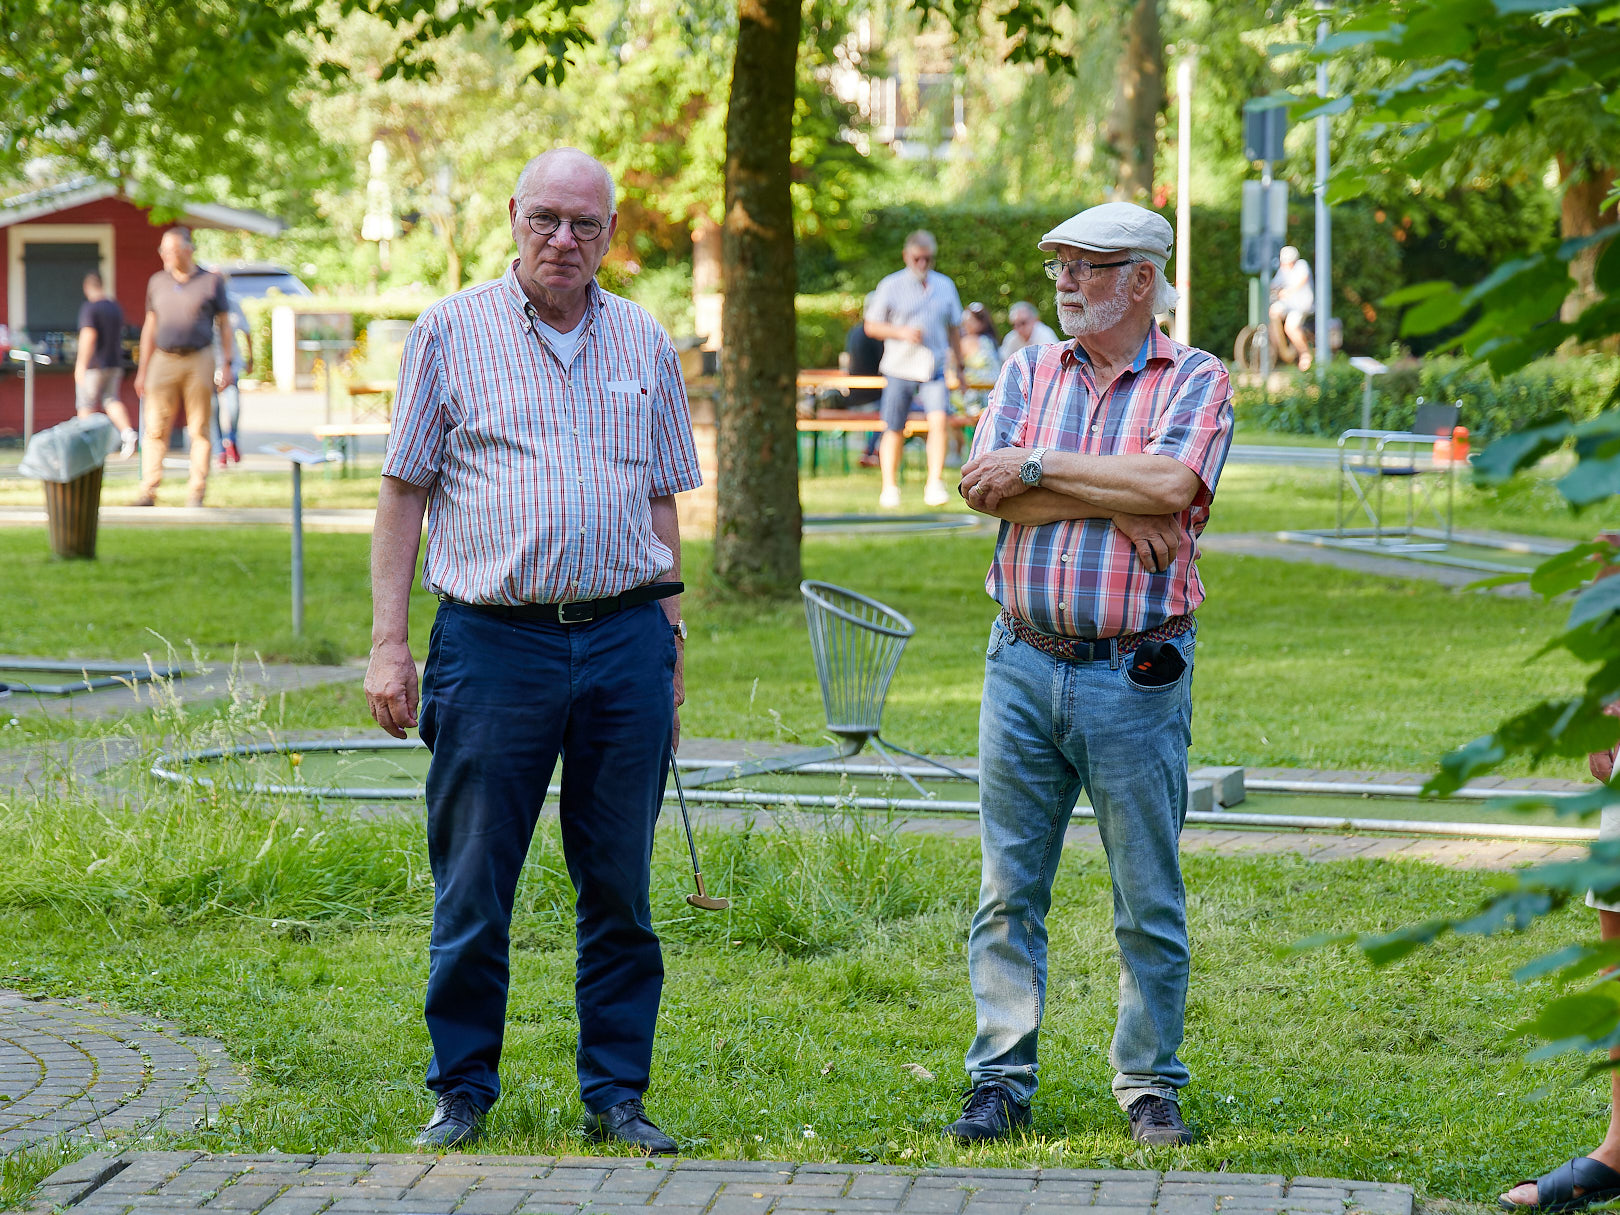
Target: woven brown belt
1073 649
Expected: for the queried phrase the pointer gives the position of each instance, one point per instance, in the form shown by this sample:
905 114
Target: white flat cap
1116 225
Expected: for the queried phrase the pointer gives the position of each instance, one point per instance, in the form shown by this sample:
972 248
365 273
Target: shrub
823 322
1490 407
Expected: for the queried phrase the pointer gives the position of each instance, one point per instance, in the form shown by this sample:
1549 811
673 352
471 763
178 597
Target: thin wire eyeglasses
544 223
1079 269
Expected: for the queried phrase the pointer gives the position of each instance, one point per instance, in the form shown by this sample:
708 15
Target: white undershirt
563 345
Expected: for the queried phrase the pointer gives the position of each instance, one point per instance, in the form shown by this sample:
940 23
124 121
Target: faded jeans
1049 728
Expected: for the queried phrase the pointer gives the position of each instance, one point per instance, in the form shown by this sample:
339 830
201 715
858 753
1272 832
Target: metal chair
855 644
1394 453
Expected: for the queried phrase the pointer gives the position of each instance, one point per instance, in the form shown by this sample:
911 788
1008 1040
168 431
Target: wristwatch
680 628
1029 472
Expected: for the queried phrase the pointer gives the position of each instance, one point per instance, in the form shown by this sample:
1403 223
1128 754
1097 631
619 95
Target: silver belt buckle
575 613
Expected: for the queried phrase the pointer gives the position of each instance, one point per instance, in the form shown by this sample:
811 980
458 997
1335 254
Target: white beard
1096 317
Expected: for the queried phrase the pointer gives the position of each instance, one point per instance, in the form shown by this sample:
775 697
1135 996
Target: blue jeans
501 700
227 414
1049 728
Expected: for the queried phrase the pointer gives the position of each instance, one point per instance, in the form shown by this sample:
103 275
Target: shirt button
576 430
1063 607
1064 557
582 480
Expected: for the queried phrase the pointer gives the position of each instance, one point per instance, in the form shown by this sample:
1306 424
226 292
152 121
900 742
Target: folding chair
1394 453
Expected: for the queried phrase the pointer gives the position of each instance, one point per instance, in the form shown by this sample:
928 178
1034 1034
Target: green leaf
1587 1014
1596 602
1569 569
1415 292
1507 455
1591 480
1393 946
1436 312
1345 186
1607 274
1512 579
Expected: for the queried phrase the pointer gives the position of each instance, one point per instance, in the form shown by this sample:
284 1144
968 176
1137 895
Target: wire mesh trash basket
856 643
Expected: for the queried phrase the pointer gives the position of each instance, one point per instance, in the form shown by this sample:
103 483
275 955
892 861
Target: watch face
1030 472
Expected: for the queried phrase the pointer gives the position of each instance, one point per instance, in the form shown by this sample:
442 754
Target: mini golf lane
389 770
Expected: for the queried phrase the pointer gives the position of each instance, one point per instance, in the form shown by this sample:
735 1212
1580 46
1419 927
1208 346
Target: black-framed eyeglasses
544 223
1079 269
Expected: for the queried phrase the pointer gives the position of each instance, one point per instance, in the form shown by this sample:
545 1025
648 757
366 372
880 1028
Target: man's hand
391 692
989 478
140 381
1154 537
224 377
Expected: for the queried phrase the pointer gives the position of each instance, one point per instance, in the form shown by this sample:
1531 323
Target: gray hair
922 238
539 165
1020 309
1165 297
180 231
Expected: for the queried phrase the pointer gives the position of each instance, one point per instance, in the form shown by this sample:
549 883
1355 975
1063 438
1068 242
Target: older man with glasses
542 425
1100 456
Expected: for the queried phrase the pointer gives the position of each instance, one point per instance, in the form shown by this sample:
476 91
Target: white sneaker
936 494
126 448
889 499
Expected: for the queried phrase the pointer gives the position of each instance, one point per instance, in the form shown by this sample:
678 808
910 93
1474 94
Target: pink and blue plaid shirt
1081 577
541 473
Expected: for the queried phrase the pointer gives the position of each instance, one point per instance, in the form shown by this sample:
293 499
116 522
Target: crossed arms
1139 494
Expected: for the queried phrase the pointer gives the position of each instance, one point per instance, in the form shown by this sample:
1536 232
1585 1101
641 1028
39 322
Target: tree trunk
1133 128
757 519
1581 213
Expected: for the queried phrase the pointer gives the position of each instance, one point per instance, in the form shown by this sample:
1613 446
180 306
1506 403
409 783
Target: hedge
990 252
1490 407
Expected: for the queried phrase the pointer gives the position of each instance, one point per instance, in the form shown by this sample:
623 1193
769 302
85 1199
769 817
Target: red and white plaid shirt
541 474
1081 577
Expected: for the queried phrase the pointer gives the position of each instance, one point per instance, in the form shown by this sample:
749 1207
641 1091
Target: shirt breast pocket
630 414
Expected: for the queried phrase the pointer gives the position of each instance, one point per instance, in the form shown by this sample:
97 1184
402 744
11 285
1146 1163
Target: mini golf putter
702 898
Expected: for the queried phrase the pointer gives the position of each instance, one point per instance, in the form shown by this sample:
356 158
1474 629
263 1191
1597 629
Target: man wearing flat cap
1100 457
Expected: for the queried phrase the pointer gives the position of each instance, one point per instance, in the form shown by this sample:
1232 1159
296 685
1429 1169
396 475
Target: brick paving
80 1072
349 1184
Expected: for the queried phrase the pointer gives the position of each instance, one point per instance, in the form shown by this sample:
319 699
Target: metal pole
1266 251
1182 328
28 397
1324 217
298 550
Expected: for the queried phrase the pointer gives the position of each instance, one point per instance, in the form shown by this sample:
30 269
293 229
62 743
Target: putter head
708 902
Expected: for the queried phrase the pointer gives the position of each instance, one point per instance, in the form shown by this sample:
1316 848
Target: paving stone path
81 1072
161 1182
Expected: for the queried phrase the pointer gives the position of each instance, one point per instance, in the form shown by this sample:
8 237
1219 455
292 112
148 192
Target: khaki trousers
177 385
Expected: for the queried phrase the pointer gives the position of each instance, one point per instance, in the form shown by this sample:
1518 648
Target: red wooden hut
52 238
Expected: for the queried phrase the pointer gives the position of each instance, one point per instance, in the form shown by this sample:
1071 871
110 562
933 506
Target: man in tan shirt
183 305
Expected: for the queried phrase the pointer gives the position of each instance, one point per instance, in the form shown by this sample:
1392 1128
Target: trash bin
69 459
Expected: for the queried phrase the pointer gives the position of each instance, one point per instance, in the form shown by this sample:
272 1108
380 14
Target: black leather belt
179 349
575 613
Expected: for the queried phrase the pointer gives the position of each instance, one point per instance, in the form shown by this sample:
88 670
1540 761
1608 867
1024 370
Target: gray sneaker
456 1122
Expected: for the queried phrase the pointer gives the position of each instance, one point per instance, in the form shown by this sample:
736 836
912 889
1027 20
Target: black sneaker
989 1113
627 1122
1156 1121
456 1122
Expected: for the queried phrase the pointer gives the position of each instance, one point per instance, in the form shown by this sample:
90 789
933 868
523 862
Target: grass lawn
1298 665
298 938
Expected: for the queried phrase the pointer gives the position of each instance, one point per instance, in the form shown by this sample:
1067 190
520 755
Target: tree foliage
1540 73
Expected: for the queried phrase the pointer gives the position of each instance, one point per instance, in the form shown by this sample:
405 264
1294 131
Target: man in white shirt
1025 329
1293 298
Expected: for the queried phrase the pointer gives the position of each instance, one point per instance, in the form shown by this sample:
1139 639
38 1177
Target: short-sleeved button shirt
932 306
1081 577
541 473
185 311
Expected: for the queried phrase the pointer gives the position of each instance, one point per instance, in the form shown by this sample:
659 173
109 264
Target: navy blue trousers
502 699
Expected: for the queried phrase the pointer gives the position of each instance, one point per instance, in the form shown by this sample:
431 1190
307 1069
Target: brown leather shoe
144 500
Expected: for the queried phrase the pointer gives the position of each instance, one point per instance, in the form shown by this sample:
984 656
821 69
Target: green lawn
298 938
1298 665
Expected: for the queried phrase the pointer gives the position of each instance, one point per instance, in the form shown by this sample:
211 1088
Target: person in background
177 375
916 313
863 353
981 355
1293 298
98 373
1025 328
228 405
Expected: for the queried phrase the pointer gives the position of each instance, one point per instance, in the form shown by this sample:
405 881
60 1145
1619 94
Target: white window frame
19 236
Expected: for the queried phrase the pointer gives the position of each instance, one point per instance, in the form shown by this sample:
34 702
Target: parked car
251 281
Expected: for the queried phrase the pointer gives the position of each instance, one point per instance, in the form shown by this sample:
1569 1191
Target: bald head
565 164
